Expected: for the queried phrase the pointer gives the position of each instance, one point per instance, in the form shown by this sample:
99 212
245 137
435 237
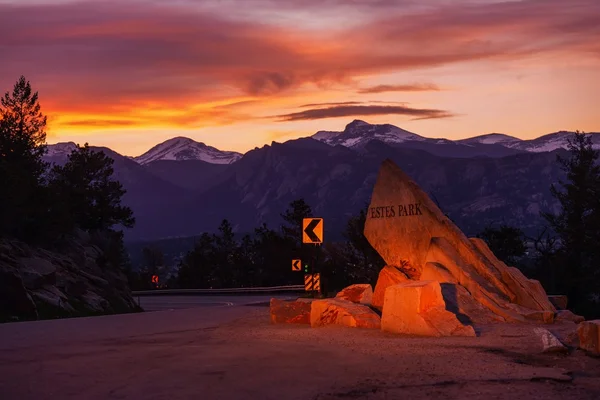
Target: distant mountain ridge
355 136
478 181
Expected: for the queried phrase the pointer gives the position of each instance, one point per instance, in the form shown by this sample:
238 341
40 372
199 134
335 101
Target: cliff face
76 281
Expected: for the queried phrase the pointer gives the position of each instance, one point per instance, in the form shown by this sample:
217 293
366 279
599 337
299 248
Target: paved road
175 317
166 302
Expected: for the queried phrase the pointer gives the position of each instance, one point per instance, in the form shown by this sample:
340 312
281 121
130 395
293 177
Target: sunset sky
237 74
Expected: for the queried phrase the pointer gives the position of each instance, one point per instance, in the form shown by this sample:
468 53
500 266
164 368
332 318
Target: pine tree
86 195
578 222
22 145
506 242
292 217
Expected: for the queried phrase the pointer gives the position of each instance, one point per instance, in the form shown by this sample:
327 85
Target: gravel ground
251 359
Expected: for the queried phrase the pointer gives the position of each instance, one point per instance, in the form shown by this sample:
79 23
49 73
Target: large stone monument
419 243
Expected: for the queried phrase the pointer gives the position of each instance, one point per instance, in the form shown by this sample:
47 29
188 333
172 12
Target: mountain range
182 188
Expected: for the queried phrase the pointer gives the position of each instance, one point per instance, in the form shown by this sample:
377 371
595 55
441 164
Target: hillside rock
359 293
37 284
409 231
341 312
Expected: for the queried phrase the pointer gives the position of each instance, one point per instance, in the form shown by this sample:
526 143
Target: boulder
589 336
410 232
566 315
418 308
290 312
559 301
388 276
342 312
359 293
550 344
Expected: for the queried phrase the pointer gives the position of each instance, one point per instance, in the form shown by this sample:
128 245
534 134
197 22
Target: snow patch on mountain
358 133
491 138
551 142
182 148
62 149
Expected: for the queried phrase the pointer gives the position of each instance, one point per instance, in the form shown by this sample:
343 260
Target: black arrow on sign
310 228
295 265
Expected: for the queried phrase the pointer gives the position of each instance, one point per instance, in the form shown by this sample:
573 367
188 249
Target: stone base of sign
419 308
388 276
409 231
589 336
359 293
290 312
342 312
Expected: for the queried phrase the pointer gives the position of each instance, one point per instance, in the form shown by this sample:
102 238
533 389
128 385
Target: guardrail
272 289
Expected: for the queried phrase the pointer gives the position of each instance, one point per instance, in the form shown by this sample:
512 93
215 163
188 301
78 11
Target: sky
238 74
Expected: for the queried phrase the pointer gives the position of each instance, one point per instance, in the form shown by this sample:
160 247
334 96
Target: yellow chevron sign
296 265
312 230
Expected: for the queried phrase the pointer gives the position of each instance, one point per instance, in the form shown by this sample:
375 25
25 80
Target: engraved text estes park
401 210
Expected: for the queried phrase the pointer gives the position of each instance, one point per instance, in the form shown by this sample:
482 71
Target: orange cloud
135 59
417 87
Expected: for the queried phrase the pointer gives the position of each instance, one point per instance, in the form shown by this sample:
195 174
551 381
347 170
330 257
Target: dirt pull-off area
250 358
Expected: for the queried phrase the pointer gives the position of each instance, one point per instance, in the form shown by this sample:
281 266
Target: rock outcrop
342 312
290 312
413 236
37 283
419 308
589 336
359 293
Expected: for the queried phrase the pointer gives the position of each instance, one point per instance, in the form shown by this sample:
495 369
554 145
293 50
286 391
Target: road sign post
312 233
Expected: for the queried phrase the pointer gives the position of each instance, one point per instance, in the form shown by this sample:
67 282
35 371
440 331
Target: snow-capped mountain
62 149
358 133
182 148
492 138
551 142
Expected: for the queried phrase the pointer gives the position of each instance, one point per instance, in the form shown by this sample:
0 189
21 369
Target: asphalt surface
167 302
233 352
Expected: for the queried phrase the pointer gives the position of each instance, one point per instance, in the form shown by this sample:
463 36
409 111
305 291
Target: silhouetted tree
578 222
506 242
365 260
22 145
87 195
197 269
225 256
292 220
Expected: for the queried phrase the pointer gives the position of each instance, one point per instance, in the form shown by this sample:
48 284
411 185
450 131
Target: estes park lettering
402 210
